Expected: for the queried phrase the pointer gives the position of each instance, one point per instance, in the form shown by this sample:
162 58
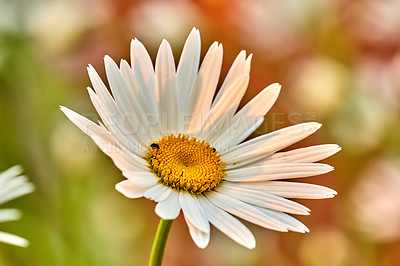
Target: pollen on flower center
185 163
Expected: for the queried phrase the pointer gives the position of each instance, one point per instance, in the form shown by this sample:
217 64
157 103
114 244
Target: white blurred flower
319 84
379 79
12 185
155 20
58 25
266 25
9 16
376 200
375 22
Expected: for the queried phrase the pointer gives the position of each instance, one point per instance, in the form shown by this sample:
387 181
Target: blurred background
338 62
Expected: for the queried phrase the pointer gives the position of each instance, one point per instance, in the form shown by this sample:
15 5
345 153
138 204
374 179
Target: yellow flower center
185 163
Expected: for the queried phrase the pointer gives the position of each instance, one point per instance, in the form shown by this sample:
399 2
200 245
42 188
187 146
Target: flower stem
160 239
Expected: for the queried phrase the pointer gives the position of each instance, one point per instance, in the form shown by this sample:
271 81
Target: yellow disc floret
185 163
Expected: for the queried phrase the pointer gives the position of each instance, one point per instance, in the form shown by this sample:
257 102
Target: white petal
225 143
249 115
101 89
170 208
245 211
13 239
127 135
121 91
193 211
262 199
144 74
158 192
240 67
84 124
227 224
141 179
15 188
221 112
166 88
107 108
130 190
125 160
9 215
292 189
187 69
203 91
277 171
200 238
269 143
303 155
9 174
228 97
290 223
149 111
128 105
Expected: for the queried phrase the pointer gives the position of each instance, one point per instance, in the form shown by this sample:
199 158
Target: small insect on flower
155 145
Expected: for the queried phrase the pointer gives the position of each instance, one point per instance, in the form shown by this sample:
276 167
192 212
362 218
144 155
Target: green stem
159 242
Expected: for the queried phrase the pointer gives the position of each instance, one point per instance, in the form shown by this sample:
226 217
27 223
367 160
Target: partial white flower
12 185
182 147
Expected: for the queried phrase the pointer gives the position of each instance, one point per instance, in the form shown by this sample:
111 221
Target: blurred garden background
338 62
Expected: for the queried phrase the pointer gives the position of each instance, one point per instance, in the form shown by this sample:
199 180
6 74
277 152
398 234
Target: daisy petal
248 116
120 89
292 189
187 69
114 121
123 159
245 211
262 199
239 67
277 171
9 215
200 238
204 88
13 240
229 96
14 188
84 124
106 106
152 126
170 208
9 174
288 221
130 108
101 89
144 74
229 225
130 190
269 143
193 211
220 113
142 179
158 193
166 87
303 155
240 138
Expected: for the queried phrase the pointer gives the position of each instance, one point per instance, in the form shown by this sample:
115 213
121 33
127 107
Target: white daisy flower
12 185
178 145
